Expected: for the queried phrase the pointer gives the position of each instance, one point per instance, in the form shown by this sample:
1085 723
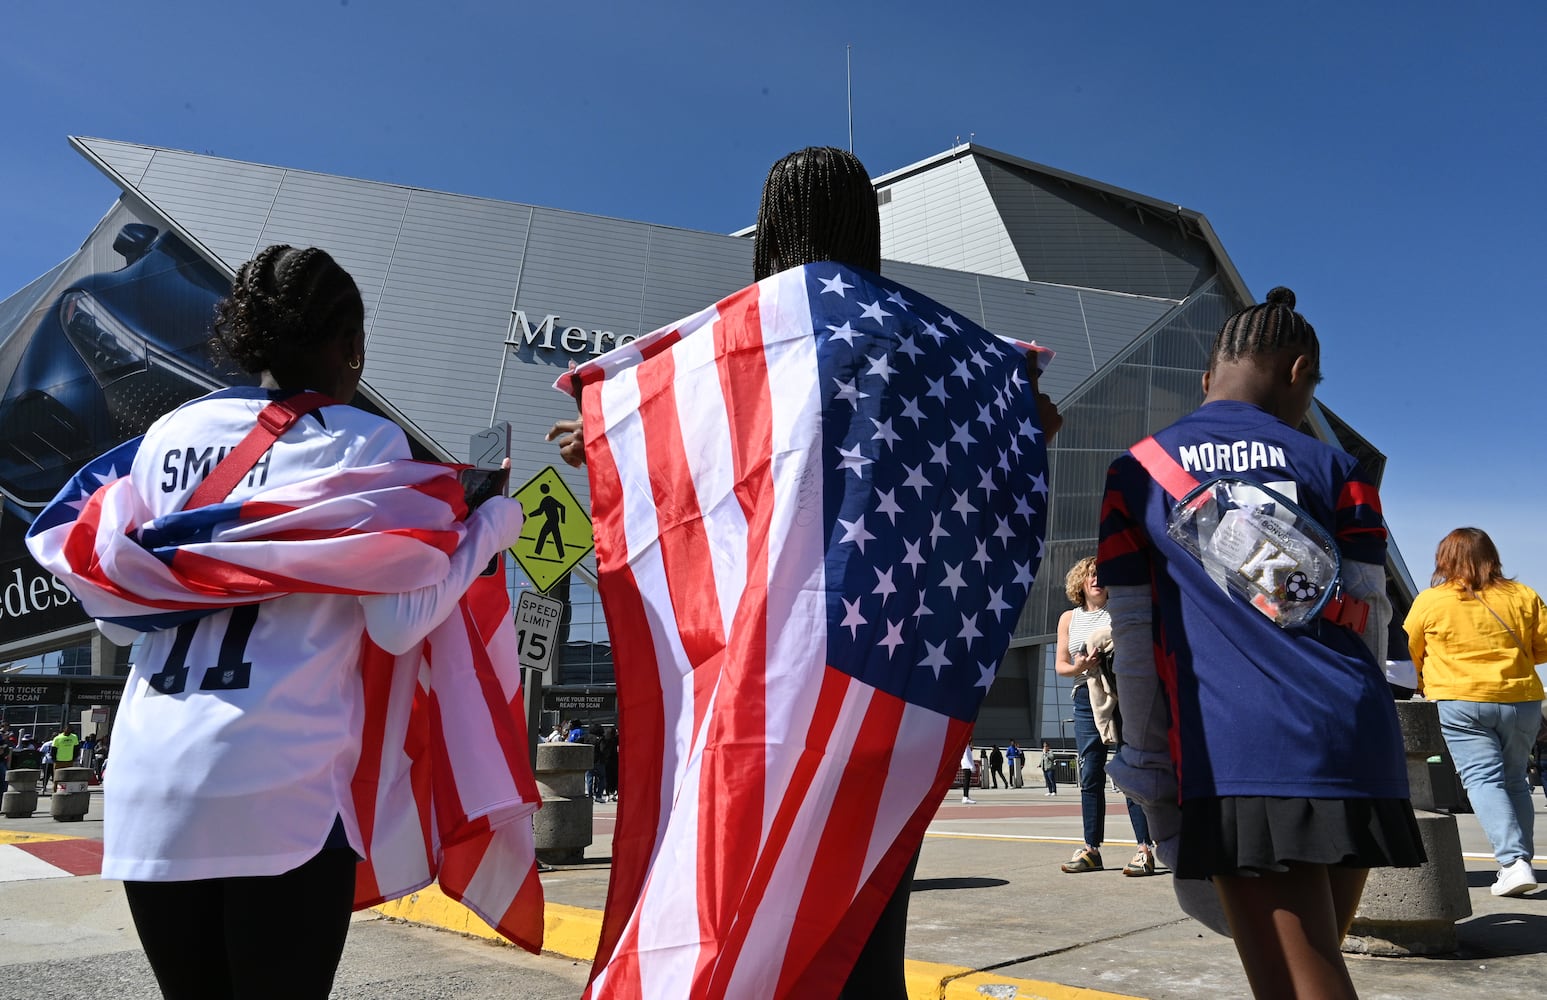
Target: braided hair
818 204
1265 329
284 304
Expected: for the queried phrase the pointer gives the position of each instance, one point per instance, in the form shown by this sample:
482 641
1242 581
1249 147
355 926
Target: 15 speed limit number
537 628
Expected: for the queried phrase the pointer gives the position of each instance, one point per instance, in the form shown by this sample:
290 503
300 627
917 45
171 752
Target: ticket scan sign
557 532
537 629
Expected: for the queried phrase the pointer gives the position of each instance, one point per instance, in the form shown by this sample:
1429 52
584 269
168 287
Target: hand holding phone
479 485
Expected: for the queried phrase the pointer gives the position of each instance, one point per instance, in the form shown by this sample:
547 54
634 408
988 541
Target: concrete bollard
562 827
71 798
21 794
1413 911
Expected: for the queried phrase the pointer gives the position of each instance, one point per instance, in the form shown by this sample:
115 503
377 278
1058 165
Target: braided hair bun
284 304
1281 296
1264 329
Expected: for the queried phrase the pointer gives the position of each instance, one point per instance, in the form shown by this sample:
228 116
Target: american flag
819 507
433 802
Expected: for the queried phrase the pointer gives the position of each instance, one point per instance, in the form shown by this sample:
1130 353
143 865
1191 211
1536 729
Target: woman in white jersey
230 816
1077 660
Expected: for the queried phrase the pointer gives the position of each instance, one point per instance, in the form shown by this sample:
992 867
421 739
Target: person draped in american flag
819 508
285 560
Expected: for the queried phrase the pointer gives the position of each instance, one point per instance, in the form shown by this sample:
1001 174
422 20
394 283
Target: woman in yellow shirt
1476 638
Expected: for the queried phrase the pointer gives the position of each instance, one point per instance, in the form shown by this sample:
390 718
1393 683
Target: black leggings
238 938
878 972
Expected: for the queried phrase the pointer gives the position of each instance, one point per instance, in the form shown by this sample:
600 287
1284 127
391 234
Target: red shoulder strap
1164 469
273 420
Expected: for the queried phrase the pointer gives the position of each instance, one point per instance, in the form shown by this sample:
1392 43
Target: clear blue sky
1384 159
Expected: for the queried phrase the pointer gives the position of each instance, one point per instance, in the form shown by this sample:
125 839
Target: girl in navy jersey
230 814
1268 758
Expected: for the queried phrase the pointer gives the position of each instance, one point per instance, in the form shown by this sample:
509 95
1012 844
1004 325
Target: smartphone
479 485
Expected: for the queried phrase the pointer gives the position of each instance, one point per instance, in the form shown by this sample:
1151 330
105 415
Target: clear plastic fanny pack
1261 546
1256 543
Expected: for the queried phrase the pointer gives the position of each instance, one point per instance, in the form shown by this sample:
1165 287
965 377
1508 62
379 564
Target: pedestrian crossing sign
557 532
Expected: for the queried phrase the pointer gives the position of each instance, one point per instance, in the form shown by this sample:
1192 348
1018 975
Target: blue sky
1384 159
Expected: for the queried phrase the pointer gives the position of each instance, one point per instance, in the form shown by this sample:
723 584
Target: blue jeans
1093 777
1490 743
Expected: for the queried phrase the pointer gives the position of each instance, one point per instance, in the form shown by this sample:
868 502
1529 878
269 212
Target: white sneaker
1515 879
968 801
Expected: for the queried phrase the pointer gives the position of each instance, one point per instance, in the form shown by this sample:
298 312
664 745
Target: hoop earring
354 365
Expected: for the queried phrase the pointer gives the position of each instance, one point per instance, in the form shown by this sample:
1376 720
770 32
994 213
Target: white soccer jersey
237 735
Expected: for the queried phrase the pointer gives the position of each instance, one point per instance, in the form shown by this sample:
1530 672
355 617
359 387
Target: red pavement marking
78 857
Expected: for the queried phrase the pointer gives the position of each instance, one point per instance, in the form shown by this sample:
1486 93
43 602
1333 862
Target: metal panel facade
946 217
475 307
1072 235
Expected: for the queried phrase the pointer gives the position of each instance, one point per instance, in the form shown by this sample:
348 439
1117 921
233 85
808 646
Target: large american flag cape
444 789
819 507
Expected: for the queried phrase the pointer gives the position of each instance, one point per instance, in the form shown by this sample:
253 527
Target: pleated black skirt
1241 834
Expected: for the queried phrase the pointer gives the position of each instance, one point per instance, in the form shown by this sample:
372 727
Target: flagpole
848 69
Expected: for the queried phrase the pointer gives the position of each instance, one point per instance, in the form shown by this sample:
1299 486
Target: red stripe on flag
523 922
686 561
80 552
216 577
450 814
376 684
824 721
845 841
594 374
642 762
835 962
506 733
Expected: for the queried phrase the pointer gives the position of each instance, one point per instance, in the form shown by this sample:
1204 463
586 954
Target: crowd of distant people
601 780
22 750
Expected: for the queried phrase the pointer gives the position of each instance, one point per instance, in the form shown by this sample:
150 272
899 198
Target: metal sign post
537 631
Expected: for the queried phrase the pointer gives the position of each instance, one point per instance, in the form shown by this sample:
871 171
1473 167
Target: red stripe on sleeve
1356 493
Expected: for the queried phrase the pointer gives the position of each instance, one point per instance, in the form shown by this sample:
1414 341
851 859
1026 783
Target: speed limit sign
537 629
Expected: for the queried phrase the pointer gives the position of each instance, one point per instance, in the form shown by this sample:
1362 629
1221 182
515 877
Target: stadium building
475 306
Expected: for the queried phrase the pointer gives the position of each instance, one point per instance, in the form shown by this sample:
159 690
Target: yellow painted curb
981 984
570 931
18 837
573 932
433 907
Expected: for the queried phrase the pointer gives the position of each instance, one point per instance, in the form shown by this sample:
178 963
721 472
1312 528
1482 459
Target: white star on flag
854 531
835 284
854 461
852 619
875 312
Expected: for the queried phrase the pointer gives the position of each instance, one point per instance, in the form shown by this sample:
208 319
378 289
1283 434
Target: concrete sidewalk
992 916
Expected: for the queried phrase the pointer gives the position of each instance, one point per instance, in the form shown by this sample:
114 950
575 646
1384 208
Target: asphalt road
71 939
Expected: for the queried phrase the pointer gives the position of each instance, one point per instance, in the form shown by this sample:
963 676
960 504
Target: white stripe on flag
701 414
921 737
626 441
669 934
797 588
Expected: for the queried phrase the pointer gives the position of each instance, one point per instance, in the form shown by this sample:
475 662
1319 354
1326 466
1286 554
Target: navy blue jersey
1257 709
